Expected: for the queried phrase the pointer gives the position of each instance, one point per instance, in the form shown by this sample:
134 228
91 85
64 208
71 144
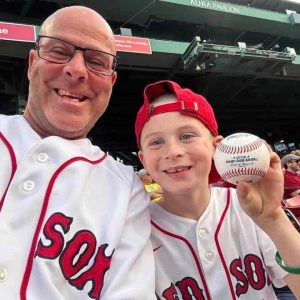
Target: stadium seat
291 207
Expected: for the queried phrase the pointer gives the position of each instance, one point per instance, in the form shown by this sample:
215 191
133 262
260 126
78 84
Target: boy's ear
141 157
217 140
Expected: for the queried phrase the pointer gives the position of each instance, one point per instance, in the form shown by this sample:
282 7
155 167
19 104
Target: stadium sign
216 6
133 44
17 32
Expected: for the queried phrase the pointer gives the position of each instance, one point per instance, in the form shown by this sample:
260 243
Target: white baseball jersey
223 255
74 223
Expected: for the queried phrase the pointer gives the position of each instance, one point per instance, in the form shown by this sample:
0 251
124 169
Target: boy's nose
174 149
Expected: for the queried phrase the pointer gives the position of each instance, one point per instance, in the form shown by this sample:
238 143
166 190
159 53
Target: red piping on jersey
219 248
42 216
193 254
13 165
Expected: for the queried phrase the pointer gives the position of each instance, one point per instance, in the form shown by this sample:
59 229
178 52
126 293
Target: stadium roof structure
242 55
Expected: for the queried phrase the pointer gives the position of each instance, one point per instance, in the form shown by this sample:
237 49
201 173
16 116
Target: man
291 164
74 223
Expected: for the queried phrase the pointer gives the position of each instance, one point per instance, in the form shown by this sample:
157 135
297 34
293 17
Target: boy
209 242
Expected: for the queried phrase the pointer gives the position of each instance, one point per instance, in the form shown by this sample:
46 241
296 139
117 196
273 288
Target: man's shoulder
7 121
116 168
9 117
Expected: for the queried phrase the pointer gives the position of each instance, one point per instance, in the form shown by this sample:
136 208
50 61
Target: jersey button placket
202 232
28 185
208 255
3 275
42 157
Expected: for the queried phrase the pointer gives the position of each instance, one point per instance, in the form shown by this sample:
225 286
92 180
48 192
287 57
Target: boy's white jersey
74 223
223 255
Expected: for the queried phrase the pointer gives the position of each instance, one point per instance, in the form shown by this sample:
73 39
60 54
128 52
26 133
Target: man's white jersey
74 223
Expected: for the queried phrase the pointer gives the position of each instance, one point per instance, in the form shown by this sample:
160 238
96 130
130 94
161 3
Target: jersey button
209 255
42 157
28 185
202 233
3 274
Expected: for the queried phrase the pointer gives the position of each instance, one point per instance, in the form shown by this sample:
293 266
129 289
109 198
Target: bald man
74 223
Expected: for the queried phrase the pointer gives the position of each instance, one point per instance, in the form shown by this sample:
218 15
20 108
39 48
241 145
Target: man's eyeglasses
58 51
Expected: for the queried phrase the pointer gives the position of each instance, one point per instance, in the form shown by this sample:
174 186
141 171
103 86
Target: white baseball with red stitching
242 157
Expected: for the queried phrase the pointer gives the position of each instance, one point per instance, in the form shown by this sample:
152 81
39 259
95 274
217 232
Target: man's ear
114 77
31 61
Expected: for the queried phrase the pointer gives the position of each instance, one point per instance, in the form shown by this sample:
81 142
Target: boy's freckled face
177 151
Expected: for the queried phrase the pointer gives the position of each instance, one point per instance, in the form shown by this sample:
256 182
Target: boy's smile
176 170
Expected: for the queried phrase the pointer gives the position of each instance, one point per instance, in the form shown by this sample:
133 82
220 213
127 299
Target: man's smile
70 96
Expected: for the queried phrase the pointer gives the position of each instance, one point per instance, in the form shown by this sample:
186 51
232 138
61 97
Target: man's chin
72 130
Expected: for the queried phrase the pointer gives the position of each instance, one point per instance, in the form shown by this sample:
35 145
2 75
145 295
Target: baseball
242 157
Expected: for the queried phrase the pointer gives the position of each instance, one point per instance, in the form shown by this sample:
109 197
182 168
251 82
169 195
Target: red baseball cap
188 103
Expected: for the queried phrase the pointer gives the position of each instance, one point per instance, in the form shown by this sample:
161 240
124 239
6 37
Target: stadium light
289 12
242 45
292 1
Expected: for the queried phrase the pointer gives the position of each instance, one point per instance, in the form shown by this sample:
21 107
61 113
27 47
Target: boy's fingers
243 193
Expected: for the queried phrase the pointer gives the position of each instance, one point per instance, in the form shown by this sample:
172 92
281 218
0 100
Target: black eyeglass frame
115 57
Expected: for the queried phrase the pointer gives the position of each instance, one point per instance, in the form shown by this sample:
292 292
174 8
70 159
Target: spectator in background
291 165
153 189
296 152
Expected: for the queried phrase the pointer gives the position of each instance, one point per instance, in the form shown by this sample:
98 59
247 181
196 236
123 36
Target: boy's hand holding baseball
262 200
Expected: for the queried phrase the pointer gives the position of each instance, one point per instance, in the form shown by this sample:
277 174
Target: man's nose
76 67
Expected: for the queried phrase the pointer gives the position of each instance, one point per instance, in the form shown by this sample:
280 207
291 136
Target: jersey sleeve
132 274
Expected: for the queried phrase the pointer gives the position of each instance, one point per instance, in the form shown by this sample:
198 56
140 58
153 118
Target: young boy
209 242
